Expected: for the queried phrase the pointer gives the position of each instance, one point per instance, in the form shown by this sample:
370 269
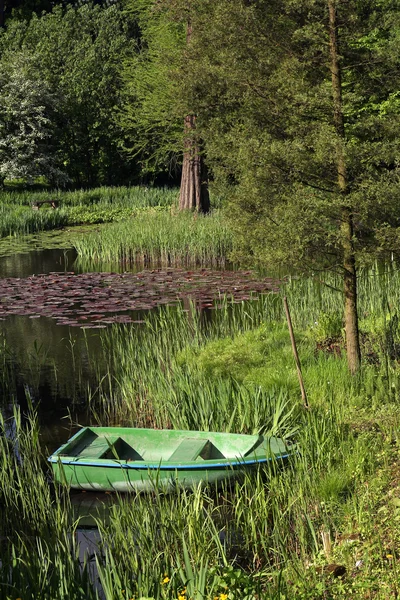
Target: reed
280 533
159 237
101 205
39 556
136 196
271 525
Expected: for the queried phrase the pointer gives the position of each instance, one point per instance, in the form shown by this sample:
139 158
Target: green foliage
152 113
328 326
265 109
262 357
76 52
27 123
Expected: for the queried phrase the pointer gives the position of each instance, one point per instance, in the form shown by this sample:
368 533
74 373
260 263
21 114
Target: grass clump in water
159 237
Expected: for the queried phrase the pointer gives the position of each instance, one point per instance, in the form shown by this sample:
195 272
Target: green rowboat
124 459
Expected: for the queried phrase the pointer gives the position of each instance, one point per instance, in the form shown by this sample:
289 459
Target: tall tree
194 183
158 117
299 112
347 226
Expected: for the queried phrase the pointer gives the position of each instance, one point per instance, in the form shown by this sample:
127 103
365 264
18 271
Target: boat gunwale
164 465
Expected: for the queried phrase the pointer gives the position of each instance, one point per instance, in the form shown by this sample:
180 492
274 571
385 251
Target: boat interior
91 446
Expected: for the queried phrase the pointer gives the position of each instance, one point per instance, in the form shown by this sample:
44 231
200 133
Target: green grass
142 225
39 556
270 536
101 205
159 237
137 196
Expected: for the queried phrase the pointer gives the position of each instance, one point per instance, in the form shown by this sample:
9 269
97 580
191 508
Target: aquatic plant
94 300
159 237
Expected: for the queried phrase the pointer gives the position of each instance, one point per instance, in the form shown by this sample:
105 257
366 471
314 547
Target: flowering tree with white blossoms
28 116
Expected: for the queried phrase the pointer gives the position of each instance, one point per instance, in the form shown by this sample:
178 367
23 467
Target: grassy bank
101 205
324 527
135 224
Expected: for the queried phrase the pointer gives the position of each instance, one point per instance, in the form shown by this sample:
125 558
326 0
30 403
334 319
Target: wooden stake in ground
296 355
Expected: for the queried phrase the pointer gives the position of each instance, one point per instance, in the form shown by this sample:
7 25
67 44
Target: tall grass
137 196
160 237
39 556
78 207
378 294
280 533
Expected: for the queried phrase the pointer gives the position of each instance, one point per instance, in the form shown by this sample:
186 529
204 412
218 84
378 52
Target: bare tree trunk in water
347 228
194 183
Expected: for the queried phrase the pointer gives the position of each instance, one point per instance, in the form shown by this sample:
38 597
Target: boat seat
121 450
188 450
97 448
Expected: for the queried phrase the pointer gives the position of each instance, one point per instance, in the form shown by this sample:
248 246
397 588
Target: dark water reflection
54 366
36 262
49 365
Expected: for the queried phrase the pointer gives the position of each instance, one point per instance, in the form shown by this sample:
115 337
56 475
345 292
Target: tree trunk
349 263
194 183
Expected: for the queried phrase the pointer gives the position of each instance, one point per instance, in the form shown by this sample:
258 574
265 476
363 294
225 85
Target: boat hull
114 459
122 480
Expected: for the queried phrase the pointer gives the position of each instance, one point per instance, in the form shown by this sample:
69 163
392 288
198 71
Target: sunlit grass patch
277 532
101 205
159 237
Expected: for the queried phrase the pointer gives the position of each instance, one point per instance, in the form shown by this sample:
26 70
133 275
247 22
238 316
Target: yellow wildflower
166 580
181 597
223 597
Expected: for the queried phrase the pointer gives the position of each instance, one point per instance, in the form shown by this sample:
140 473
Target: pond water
41 353
52 312
37 261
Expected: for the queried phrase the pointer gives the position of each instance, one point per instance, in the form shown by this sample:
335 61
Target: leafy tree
300 114
27 124
25 8
159 121
78 52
